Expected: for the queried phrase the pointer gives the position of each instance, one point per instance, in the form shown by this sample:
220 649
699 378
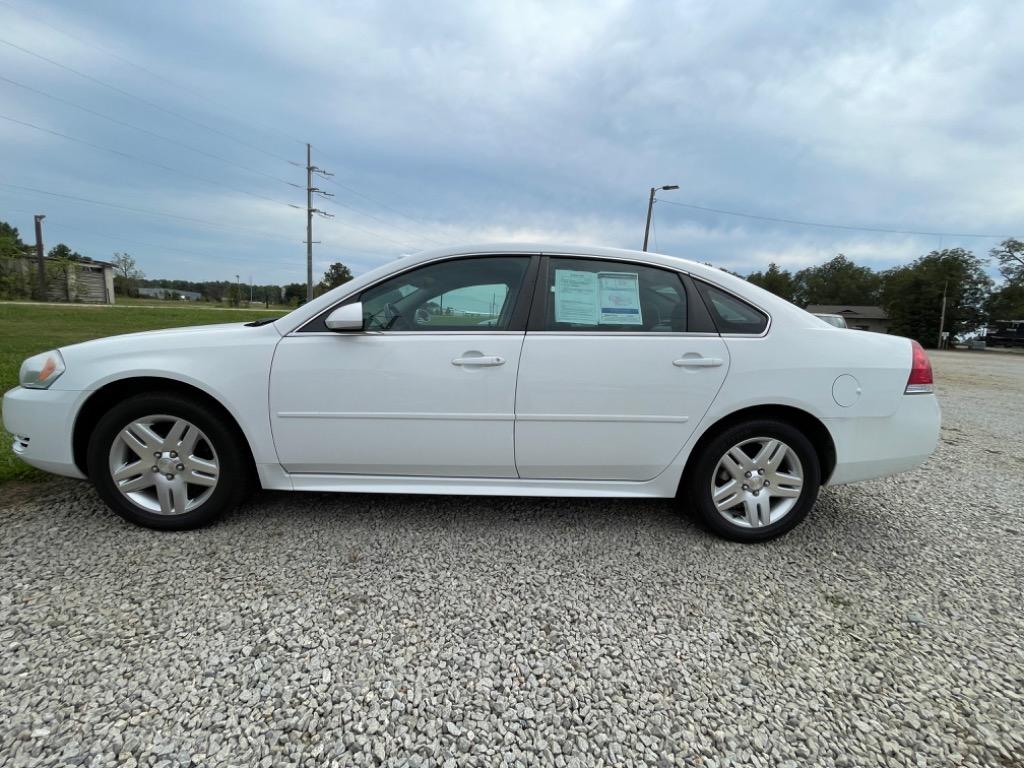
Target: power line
382 204
205 256
146 161
832 226
116 121
377 234
382 221
148 103
147 212
207 154
160 77
110 52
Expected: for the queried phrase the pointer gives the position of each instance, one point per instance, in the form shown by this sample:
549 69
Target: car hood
150 351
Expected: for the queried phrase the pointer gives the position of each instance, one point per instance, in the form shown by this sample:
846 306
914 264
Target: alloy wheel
164 464
757 482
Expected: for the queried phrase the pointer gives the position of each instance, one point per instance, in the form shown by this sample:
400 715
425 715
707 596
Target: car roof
752 293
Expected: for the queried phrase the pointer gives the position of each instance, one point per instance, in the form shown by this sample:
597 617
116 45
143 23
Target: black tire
701 474
234 477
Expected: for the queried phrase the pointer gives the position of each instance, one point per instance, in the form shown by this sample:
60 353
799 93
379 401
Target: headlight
41 371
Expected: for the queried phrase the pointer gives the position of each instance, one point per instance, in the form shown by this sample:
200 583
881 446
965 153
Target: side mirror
346 318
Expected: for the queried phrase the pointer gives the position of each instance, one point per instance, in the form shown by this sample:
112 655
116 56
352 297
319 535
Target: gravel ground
330 630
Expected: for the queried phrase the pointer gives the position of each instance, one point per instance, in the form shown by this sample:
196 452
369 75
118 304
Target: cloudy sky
449 122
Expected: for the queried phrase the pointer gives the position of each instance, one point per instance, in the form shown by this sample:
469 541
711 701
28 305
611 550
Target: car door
426 387
620 363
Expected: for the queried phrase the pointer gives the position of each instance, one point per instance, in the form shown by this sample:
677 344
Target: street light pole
650 209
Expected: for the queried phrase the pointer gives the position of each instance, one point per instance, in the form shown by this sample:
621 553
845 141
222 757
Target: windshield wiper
261 321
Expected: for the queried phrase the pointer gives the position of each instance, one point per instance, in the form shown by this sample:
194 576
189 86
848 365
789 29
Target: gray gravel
330 630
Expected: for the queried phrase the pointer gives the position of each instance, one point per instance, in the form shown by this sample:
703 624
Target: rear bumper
871 448
42 422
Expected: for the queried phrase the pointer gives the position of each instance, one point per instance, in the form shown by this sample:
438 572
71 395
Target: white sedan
509 369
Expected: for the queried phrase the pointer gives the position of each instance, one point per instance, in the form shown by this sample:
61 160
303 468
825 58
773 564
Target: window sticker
597 298
575 297
620 298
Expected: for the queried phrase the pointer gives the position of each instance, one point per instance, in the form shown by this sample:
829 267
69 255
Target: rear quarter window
732 314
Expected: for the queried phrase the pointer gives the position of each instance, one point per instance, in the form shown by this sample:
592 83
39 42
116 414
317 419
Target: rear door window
595 295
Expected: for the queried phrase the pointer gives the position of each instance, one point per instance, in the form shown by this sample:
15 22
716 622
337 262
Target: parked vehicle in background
507 369
837 320
1005 333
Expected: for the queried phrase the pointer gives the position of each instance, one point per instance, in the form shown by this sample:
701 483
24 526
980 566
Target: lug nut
156 468
746 487
174 455
181 467
767 482
169 476
748 474
156 454
760 471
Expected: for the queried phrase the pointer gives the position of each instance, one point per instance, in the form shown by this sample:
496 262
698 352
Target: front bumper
42 422
868 448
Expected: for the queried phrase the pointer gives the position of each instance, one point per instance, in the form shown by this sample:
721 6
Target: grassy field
26 329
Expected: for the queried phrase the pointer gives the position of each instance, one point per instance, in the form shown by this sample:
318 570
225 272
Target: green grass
26 329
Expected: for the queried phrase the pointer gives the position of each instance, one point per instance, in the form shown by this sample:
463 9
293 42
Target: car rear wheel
755 480
164 461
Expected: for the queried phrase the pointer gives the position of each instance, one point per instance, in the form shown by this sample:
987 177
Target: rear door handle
697 362
479 360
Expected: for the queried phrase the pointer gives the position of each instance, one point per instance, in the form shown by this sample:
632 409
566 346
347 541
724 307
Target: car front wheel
165 461
755 480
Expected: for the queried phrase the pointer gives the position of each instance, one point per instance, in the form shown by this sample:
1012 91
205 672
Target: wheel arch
806 422
101 400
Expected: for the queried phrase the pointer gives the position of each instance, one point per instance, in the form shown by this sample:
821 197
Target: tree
294 294
337 274
15 280
837 281
912 295
127 274
1006 303
1010 254
776 280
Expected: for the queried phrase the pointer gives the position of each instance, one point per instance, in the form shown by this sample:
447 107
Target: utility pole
40 262
238 293
310 210
650 209
250 289
942 317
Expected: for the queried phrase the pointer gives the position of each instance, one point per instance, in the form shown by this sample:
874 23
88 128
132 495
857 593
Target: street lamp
650 209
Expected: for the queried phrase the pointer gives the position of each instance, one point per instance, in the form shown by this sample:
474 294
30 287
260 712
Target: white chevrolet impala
508 369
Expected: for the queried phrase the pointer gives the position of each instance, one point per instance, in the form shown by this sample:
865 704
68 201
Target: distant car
600 373
837 320
1005 333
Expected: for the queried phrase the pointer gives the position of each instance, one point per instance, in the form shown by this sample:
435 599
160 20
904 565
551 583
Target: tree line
911 294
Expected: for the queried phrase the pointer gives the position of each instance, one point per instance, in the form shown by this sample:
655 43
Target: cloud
519 121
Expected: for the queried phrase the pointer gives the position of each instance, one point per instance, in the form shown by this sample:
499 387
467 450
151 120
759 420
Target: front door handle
697 362
479 360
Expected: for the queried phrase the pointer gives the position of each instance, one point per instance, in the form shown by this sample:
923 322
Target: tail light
920 380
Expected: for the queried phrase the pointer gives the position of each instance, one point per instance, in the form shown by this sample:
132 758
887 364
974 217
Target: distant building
859 317
86 281
172 294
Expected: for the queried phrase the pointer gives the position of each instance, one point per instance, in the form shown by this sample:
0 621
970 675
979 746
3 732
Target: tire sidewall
232 473
699 480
